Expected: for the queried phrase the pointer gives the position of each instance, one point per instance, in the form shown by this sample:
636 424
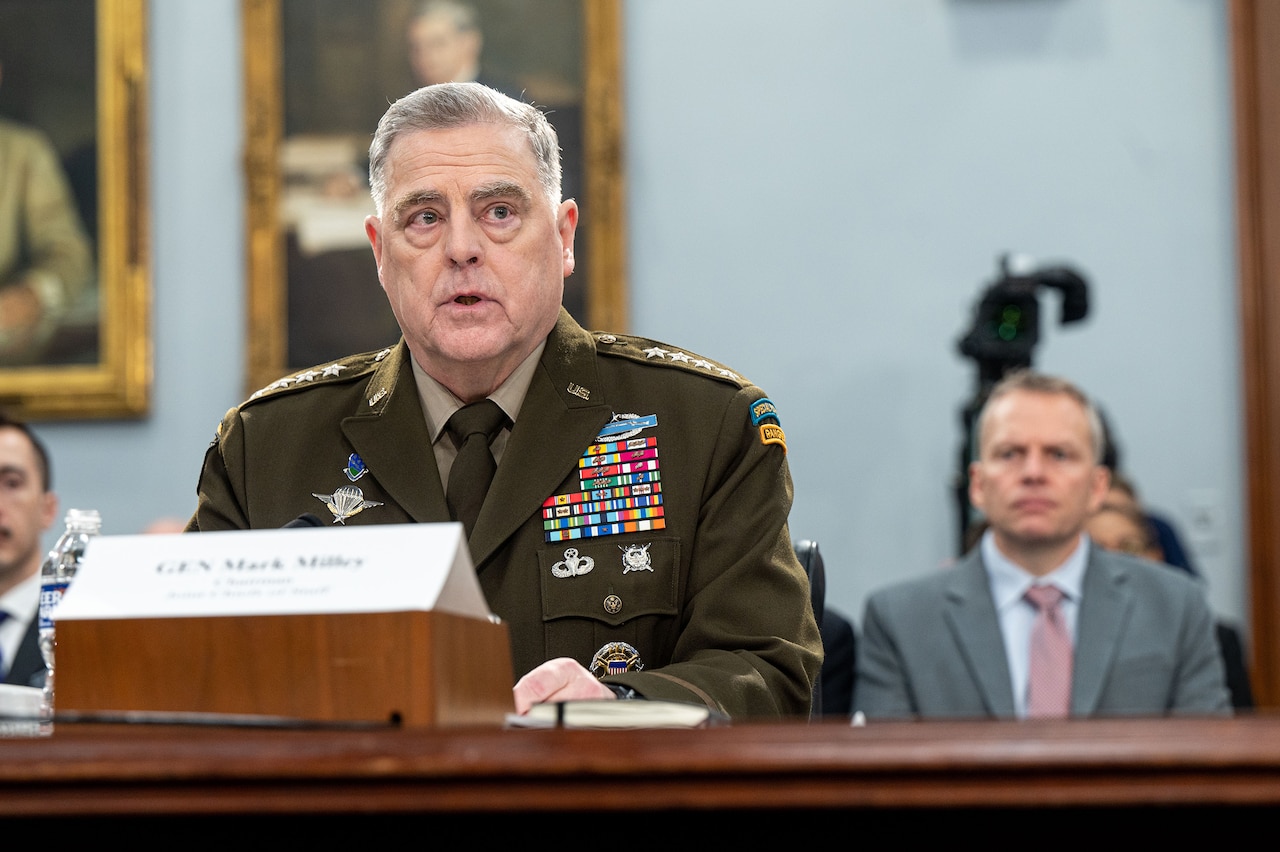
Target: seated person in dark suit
1125 528
834 695
1165 537
27 508
1123 491
840 643
1036 621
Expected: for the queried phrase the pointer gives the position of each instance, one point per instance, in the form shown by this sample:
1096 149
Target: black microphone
304 520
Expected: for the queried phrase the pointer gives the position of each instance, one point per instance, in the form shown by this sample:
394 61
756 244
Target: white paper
309 570
19 711
604 713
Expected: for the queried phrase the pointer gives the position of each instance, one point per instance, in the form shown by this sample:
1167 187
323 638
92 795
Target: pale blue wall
818 191
132 471
818 196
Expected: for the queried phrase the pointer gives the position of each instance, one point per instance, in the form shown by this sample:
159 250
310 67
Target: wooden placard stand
422 669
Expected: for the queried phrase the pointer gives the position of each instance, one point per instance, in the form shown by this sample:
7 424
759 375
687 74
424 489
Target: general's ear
373 230
567 225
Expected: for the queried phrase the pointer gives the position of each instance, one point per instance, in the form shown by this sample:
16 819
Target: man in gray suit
1137 639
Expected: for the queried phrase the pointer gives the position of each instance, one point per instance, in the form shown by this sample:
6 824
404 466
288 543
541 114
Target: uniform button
613 604
608 338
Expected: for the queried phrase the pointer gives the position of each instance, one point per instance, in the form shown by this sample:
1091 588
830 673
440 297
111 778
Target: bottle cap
85 519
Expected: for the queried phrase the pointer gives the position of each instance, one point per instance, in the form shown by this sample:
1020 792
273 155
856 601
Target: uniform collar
439 403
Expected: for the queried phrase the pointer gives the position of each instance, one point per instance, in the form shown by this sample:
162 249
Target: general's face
26 509
1036 479
470 250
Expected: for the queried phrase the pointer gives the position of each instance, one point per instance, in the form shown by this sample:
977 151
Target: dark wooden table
492 780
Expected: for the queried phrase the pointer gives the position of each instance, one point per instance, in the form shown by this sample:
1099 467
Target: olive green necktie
472 428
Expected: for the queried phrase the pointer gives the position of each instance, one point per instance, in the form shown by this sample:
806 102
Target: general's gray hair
1033 382
448 105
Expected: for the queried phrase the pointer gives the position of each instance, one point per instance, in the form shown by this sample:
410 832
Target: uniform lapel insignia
355 467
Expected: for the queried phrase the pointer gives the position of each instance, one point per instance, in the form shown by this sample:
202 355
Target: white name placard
308 570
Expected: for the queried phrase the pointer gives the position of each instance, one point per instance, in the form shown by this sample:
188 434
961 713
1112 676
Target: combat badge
346 502
623 426
616 658
635 557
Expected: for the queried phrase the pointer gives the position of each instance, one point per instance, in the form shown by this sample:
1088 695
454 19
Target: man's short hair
1033 382
444 106
42 455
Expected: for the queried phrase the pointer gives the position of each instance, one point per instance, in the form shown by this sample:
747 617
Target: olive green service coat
716 603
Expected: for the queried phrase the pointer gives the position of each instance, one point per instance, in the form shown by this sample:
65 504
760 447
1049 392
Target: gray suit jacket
1145 645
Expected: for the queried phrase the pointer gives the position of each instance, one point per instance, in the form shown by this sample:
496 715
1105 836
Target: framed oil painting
318 76
74 245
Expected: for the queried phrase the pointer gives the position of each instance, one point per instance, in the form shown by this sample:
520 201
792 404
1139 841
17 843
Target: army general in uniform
634 538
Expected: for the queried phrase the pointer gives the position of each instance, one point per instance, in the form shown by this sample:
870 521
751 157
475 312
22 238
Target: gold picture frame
96 362
272 248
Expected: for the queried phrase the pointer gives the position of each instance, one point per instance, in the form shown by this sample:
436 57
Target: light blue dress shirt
1009 583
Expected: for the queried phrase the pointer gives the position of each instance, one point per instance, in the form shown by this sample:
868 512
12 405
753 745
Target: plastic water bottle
56 573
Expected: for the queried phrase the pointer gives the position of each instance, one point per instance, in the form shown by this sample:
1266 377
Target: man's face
439 52
1035 479
26 509
470 250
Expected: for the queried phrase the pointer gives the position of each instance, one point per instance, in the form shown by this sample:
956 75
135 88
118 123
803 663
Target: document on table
606 714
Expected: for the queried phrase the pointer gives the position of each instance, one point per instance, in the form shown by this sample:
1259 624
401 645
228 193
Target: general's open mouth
467 300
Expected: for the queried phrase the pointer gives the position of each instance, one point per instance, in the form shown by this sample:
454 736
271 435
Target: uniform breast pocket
610 579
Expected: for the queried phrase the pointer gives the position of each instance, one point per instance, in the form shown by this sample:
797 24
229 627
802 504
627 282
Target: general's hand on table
561 679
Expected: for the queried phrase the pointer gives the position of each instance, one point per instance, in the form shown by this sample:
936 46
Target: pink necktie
1049 696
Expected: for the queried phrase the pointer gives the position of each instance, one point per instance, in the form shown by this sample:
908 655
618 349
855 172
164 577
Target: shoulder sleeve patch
771 433
764 416
764 409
